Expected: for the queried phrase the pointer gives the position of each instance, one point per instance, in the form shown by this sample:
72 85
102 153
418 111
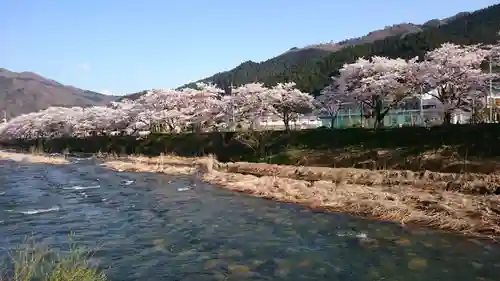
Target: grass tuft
31 262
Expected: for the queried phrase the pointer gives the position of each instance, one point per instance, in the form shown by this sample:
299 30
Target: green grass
30 262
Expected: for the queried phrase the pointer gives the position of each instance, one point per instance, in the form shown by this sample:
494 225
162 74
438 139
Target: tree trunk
171 127
262 145
379 121
333 118
447 118
379 114
286 120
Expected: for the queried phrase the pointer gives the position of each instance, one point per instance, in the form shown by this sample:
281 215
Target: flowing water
158 227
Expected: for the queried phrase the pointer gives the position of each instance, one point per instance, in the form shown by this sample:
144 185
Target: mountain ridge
401 29
292 60
24 92
312 72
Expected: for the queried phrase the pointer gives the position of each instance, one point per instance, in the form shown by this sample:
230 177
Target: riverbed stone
417 264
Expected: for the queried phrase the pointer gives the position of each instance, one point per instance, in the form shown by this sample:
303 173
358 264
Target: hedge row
479 140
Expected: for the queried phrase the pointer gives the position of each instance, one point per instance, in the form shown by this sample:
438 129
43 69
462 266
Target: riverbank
467 204
33 158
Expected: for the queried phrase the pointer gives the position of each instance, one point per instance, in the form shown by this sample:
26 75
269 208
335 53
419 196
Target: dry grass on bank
444 210
164 160
470 183
445 159
467 183
167 164
429 199
144 167
33 158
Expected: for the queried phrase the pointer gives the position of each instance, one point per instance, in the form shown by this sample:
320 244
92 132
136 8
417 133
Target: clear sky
124 46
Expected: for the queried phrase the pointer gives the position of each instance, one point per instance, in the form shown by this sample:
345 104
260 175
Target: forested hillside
313 67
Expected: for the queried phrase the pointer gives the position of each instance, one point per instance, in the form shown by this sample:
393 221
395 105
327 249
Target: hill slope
311 67
25 92
250 71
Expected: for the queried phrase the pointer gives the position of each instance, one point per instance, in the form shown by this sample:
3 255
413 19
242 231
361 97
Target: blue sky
124 46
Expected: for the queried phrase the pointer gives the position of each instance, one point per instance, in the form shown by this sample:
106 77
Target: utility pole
473 121
491 89
421 101
493 57
233 125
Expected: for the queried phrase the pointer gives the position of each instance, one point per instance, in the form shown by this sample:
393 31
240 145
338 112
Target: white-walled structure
276 123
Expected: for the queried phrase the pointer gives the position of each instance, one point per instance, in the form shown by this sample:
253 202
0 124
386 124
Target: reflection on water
156 227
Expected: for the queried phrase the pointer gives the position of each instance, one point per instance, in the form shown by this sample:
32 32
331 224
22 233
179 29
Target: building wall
395 118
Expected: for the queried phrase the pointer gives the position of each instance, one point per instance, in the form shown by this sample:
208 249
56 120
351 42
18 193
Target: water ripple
157 227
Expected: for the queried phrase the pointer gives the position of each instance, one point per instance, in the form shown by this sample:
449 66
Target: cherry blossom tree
19 127
289 103
132 116
330 103
173 110
159 108
205 106
379 83
99 120
250 102
495 52
223 111
455 72
43 124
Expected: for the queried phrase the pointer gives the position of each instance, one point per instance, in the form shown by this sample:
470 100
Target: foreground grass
30 263
463 203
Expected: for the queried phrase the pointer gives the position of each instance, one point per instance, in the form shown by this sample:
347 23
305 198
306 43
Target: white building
276 123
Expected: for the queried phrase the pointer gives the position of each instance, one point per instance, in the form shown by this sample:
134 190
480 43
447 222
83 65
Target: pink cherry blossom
379 83
455 73
289 103
330 102
451 73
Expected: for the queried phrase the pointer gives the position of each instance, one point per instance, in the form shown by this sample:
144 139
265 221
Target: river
158 227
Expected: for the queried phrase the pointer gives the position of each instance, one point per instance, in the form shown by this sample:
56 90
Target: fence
394 118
